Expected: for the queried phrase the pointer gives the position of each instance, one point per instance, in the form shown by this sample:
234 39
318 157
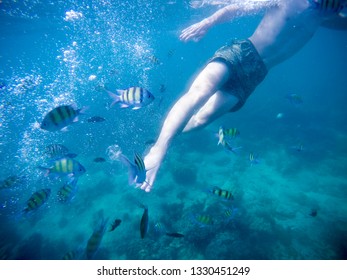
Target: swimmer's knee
195 122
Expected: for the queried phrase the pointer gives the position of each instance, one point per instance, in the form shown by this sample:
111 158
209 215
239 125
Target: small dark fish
37 200
171 52
60 117
313 213
115 224
99 159
175 234
162 88
144 222
96 119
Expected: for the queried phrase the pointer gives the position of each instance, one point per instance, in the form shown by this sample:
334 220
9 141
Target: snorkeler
235 70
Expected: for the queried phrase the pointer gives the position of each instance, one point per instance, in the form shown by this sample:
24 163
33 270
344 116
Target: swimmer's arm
236 10
197 31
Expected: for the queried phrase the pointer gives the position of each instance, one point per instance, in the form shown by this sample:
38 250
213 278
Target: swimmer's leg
219 104
208 81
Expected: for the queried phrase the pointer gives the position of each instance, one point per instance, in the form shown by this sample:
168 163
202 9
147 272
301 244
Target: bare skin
204 102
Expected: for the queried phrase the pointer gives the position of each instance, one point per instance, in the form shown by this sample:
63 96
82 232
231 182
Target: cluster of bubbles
103 29
22 85
113 152
72 15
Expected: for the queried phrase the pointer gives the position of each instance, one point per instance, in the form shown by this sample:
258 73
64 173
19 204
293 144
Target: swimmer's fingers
192 34
195 32
146 187
193 37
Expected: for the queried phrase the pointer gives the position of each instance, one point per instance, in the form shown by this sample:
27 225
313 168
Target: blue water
48 60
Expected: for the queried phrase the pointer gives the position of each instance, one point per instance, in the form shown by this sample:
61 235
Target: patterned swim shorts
247 69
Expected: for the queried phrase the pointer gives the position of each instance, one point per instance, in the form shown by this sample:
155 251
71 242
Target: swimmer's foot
152 162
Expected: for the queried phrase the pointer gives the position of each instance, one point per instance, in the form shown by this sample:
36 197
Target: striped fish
133 97
11 182
65 166
136 170
223 194
229 214
56 150
230 132
60 117
203 220
68 191
37 200
95 239
329 6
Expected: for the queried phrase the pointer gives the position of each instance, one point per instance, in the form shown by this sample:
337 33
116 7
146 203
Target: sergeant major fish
222 132
136 169
95 239
65 166
37 199
133 97
202 220
68 191
56 150
223 194
60 117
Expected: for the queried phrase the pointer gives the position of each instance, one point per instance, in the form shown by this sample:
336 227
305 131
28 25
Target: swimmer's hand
196 31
